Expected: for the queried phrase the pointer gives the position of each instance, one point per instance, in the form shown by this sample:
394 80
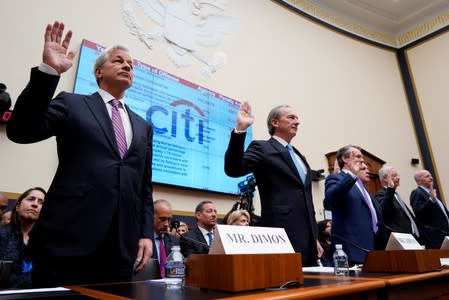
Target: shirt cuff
239 131
43 67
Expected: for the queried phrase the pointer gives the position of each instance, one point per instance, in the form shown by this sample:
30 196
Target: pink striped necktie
162 256
117 124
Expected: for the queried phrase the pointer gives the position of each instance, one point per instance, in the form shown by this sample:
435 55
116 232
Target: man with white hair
396 215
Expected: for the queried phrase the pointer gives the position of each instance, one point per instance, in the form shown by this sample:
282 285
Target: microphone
386 226
350 242
175 224
194 241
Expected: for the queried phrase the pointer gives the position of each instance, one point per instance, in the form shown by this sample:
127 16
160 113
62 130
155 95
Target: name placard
232 239
445 243
402 241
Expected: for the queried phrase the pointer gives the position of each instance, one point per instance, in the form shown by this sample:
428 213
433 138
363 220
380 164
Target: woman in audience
324 237
182 228
238 217
14 236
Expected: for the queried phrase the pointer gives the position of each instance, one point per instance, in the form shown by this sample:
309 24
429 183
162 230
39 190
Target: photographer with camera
283 177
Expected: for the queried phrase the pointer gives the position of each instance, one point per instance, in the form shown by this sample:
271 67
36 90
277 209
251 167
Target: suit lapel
100 113
135 120
200 236
288 159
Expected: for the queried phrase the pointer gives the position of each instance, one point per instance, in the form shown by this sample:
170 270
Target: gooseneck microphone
350 242
194 241
175 224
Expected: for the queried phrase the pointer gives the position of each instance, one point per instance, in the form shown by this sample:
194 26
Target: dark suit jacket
351 217
169 241
195 243
393 215
431 216
92 186
286 201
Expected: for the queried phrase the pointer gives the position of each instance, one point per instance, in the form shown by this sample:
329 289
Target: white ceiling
387 16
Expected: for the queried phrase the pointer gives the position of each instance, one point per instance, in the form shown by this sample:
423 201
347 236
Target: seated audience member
429 210
238 217
14 236
324 237
163 241
198 240
180 230
3 203
183 228
6 218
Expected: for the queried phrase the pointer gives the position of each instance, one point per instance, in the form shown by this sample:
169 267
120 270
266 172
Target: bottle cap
338 246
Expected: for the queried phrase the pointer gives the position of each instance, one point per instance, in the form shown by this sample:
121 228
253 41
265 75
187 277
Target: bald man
429 210
163 241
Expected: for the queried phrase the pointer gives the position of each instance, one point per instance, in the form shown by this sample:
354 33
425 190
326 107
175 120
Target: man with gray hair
283 177
396 215
429 210
97 222
355 215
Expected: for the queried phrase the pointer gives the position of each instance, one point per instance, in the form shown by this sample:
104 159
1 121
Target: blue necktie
298 165
209 235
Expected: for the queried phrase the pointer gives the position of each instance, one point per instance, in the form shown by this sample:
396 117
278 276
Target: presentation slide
192 124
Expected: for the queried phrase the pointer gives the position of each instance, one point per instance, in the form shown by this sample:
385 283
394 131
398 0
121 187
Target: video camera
246 189
248 185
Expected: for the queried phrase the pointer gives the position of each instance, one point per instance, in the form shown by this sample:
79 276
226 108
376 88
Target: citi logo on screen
165 120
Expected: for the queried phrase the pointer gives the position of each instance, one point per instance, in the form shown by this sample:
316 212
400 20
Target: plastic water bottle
175 269
341 264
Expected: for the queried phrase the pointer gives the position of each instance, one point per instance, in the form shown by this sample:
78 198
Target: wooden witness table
430 285
313 288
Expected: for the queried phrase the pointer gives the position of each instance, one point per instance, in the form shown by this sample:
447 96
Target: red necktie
162 256
117 124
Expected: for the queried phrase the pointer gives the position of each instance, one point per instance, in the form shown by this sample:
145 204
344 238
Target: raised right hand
55 52
244 117
354 163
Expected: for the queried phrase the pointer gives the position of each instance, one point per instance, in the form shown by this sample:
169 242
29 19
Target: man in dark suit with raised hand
97 223
429 210
282 175
395 213
199 240
354 214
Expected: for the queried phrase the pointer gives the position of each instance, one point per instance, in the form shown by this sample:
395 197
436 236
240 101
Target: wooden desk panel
432 285
337 288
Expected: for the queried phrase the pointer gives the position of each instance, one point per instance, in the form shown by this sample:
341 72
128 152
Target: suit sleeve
385 200
421 203
35 116
147 190
239 162
337 187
